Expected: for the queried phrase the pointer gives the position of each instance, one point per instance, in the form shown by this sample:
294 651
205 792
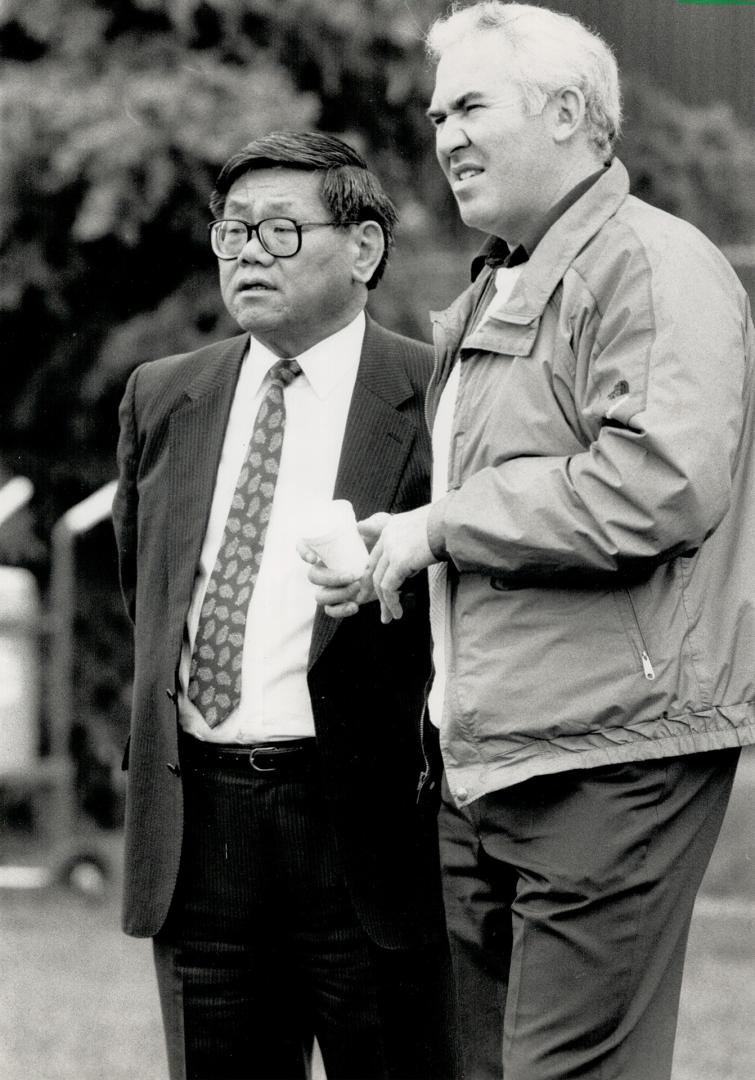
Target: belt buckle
260 750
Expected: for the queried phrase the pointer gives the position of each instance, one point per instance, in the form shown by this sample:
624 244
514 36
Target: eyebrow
274 204
458 103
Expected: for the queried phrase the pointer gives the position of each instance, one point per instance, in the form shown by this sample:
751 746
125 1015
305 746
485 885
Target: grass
716 1036
78 1000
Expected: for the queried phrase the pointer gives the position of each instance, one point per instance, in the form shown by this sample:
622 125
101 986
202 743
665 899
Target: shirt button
460 794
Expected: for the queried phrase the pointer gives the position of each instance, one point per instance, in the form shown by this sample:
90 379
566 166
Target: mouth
460 174
253 286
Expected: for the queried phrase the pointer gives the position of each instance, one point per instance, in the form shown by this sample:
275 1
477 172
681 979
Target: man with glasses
280 838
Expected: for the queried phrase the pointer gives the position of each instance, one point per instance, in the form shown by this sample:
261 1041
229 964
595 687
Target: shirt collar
325 364
495 252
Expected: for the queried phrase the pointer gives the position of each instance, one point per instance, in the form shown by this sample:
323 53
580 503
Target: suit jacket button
173 768
171 694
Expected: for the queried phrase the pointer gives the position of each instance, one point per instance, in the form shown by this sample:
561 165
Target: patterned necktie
215 673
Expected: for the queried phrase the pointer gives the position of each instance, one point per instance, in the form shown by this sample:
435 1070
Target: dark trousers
568 902
262 948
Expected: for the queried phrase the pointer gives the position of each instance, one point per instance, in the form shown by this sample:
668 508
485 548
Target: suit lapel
377 442
196 434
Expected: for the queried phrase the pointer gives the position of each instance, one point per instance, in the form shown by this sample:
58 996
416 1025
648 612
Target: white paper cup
336 539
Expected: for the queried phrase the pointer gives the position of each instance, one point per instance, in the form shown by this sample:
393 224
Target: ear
370 245
567 109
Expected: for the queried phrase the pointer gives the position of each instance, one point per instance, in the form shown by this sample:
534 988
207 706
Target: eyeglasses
278 236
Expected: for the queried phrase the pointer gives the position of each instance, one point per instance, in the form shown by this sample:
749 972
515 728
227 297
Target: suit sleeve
657 478
126 501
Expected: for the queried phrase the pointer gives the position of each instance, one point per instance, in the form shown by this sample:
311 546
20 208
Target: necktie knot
284 371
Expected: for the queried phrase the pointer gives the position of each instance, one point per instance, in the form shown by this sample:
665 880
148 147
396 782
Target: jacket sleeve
655 479
126 501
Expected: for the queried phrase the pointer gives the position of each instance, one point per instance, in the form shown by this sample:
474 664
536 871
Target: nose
450 136
253 252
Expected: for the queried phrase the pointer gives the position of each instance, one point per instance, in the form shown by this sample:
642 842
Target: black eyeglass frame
254 227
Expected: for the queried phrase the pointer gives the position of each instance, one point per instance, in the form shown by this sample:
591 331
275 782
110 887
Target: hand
341 595
401 551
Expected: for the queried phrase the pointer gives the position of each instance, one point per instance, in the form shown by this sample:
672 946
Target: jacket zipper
647 666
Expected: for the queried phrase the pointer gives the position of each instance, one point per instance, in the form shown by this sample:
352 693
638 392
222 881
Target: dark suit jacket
367 681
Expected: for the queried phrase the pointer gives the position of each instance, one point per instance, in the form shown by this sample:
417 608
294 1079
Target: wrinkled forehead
479 64
275 192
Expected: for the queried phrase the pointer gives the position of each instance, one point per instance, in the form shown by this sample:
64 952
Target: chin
473 215
251 319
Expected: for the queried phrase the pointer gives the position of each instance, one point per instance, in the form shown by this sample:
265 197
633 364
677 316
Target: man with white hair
590 539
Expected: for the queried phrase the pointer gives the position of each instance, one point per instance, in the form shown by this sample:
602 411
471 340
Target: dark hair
348 188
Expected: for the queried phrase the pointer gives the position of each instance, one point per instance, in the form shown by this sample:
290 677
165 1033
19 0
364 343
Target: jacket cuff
435 531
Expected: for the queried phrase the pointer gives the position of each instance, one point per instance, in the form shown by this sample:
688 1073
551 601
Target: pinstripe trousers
262 948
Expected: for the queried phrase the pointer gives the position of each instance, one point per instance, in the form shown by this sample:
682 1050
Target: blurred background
115 116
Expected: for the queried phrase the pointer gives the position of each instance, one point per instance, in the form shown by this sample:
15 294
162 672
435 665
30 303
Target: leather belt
270 758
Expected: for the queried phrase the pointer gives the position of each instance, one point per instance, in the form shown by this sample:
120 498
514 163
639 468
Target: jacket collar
217 367
496 252
562 243
555 252
387 381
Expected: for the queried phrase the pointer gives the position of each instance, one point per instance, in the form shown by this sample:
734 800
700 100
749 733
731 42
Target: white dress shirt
505 279
275 701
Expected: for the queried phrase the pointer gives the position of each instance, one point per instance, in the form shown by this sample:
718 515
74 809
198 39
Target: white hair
550 51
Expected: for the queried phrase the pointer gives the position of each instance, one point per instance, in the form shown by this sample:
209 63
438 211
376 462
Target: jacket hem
475 783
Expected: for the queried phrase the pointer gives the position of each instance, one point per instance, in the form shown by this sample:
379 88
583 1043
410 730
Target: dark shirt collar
496 252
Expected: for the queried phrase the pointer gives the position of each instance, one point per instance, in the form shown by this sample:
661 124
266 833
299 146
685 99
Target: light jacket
600 521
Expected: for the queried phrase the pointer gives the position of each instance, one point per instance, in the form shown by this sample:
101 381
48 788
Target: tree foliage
696 163
114 119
